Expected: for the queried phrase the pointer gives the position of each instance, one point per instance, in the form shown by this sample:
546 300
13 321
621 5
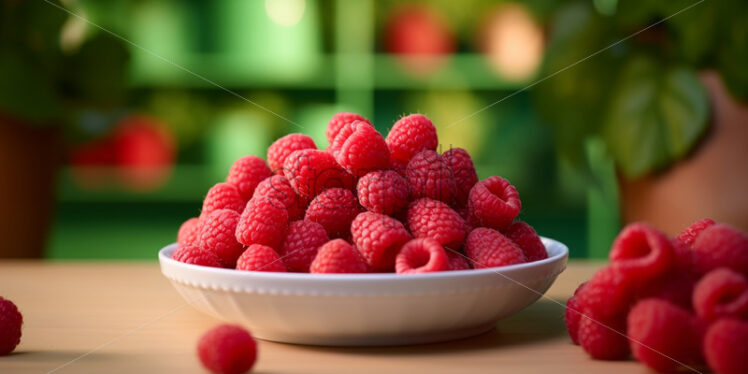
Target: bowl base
374 341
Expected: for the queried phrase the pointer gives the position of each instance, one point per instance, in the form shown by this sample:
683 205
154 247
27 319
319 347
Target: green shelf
187 183
460 71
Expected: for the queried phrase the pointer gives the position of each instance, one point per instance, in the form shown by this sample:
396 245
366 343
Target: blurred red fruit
144 150
422 35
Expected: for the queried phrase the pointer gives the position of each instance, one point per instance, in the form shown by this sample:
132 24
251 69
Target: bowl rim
557 251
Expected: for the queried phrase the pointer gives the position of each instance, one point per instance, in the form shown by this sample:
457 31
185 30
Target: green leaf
733 50
27 92
98 72
655 116
572 100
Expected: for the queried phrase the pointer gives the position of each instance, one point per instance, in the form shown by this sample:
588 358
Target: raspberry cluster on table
674 304
365 204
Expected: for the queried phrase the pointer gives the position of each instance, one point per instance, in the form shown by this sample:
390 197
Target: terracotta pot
29 158
712 182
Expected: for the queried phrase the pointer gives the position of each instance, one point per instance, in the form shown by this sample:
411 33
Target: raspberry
222 196
525 237
675 286
343 134
246 173
337 256
379 239
411 135
364 150
493 203
258 257
310 171
721 293
384 191
302 241
264 221
603 338
189 232
334 209
641 253
277 187
338 121
607 294
429 176
721 245
281 148
227 349
688 236
664 336
196 256
217 235
456 261
11 321
434 219
488 248
572 314
726 346
422 255
463 171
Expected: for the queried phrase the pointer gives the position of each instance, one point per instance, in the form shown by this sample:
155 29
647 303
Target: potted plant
664 98
52 65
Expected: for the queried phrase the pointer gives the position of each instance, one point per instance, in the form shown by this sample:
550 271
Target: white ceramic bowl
365 309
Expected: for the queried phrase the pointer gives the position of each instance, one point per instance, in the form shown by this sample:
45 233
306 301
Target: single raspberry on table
189 232
410 135
334 209
726 346
721 293
429 176
689 235
641 253
603 338
422 255
281 148
463 171
310 171
527 239
434 219
277 187
193 255
338 256
384 191
222 196
572 315
338 121
227 349
379 239
246 173
264 221
363 151
489 248
217 235
258 257
493 203
721 245
664 336
11 321
456 260
301 244
607 294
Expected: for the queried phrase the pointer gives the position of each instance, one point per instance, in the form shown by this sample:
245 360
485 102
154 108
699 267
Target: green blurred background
136 108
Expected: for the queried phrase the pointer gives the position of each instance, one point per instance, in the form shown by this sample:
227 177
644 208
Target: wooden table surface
93 317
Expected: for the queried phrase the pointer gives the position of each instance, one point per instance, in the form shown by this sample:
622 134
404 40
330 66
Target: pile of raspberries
365 204
674 304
